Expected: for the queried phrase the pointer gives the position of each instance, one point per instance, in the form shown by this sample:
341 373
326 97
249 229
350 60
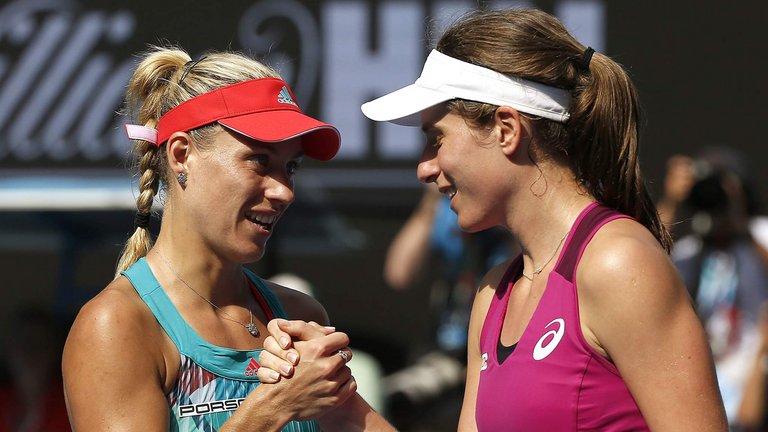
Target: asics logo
552 339
484 365
285 97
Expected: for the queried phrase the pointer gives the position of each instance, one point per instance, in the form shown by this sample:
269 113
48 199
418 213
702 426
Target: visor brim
320 140
404 106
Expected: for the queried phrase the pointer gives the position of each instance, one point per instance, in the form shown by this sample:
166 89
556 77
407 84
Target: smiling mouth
266 222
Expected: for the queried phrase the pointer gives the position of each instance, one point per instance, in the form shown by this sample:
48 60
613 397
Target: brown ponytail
600 141
605 118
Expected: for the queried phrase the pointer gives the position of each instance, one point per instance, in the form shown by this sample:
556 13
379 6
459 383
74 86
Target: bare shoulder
492 278
299 305
113 363
635 310
484 296
115 319
624 258
115 311
627 281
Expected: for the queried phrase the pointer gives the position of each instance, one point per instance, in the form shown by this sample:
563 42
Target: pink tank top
553 380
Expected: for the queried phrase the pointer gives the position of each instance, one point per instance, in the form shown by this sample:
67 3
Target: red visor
262 109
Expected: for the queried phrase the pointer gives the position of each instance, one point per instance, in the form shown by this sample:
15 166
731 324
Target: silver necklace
539 269
250 326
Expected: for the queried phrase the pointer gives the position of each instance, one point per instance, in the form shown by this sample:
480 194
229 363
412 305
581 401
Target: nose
280 190
428 170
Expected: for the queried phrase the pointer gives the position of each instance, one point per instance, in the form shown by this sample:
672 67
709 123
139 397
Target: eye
260 159
293 167
435 140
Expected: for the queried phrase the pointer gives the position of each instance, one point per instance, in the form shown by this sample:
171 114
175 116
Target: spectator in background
720 257
33 399
432 235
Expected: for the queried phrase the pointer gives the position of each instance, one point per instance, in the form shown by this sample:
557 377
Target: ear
177 151
510 129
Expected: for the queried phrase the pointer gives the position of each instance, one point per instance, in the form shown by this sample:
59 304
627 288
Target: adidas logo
253 366
285 97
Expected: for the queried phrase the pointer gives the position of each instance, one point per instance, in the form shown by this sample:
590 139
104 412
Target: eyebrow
271 147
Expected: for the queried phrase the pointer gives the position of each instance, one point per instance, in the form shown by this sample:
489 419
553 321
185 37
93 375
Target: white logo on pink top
541 351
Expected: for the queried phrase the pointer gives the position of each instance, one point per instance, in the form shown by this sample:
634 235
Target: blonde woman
172 342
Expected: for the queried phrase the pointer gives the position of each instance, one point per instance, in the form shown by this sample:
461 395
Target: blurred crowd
721 249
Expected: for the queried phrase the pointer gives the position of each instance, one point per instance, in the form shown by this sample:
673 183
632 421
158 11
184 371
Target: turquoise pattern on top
212 380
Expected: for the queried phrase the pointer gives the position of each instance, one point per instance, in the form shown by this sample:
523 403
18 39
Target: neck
213 277
540 221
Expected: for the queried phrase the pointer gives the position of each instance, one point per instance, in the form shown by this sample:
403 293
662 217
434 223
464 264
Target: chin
249 254
472 226
253 258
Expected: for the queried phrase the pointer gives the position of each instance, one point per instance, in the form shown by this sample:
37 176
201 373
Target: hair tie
141 220
586 58
188 67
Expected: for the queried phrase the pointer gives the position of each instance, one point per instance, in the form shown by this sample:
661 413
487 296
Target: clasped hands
310 359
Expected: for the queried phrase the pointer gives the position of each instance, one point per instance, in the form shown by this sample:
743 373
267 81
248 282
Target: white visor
445 78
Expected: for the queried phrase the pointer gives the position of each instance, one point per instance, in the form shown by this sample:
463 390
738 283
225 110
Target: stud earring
182 178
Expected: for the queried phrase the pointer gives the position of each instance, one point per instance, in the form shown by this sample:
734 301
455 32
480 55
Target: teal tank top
212 380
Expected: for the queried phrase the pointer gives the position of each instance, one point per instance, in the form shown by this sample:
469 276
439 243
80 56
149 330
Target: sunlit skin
492 180
233 179
462 161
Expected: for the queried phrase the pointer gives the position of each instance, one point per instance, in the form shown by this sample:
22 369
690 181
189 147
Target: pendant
252 329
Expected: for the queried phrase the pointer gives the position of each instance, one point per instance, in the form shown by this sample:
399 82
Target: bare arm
118 365
635 309
409 250
482 302
113 368
355 415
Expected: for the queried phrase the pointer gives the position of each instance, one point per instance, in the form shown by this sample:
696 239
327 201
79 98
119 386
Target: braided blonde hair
154 89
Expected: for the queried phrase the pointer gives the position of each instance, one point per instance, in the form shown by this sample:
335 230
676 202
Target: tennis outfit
553 380
212 380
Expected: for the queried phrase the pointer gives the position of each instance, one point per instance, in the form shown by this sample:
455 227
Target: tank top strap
514 270
589 221
268 301
153 295
224 362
